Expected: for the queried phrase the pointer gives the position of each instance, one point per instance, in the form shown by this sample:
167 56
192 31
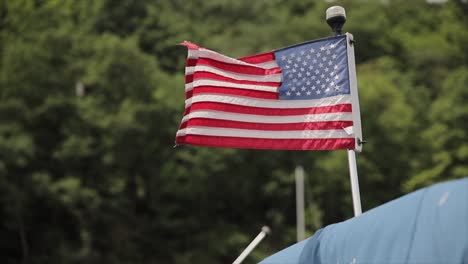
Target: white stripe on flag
341 116
268 65
269 103
237 76
189 70
188 86
204 82
246 133
192 54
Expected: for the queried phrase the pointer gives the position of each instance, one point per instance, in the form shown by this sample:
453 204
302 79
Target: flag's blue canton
314 70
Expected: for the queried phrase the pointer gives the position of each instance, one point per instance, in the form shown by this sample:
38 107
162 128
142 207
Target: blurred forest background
95 178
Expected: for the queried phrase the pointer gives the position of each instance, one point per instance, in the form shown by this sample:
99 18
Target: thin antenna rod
265 231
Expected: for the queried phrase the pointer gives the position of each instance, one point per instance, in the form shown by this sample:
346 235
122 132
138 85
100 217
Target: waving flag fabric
296 98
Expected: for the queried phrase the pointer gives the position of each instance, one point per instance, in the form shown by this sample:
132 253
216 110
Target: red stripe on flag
213 76
191 62
256 143
246 69
327 125
189 78
187 110
269 111
259 58
231 91
190 45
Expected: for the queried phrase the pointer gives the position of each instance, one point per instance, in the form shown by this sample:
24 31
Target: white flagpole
336 17
354 183
356 127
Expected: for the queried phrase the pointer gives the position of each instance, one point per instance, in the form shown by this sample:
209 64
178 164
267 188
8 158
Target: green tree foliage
93 176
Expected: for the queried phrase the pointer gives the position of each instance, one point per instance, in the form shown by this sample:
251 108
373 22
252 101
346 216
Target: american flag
295 98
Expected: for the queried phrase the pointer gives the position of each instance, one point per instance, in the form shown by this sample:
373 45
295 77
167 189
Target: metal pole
354 182
265 231
336 17
300 218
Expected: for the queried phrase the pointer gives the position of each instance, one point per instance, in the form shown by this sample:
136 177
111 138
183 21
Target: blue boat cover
428 226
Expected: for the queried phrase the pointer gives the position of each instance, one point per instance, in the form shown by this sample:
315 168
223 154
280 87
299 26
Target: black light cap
336 17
